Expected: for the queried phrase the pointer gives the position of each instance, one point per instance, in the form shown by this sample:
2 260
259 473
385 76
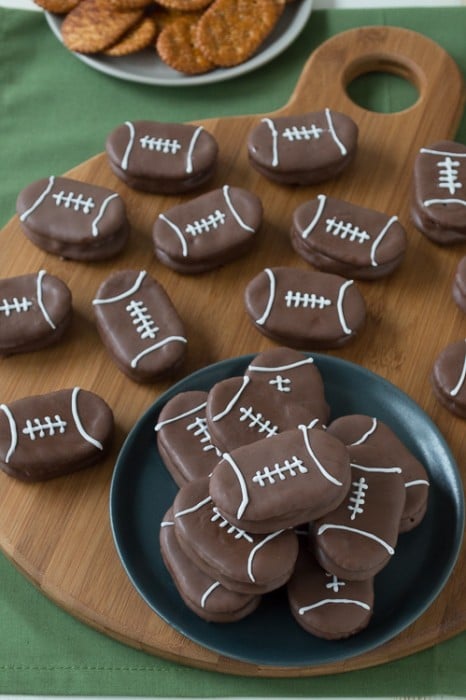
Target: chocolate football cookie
281 482
35 312
360 431
280 390
326 605
340 237
162 157
241 561
303 149
45 436
183 438
203 594
139 325
459 285
449 378
73 219
358 538
207 231
438 199
305 309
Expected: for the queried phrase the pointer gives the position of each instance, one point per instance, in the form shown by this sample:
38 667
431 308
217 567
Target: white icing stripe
258 546
124 160
179 233
260 321
432 151
370 535
340 145
192 145
105 203
207 593
364 437
39 200
341 315
242 483
227 197
417 482
123 295
281 368
326 601
379 239
456 389
274 133
166 523
45 313
156 346
319 466
322 201
194 508
13 431
448 200
384 470
77 420
160 425
233 401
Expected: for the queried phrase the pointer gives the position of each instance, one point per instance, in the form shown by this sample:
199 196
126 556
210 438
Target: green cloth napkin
55 112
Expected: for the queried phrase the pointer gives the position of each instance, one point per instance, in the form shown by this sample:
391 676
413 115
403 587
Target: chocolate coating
207 231
49 435
345 239
167 158
240 561
281 481
449 378
303 149
459 285
438 198
73 219
35 312
203 594
139 325
304 308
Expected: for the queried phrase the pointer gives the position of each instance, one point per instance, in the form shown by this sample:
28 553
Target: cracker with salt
137 38
92 26
176 48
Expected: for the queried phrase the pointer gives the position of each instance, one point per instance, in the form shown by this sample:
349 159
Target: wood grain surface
58 532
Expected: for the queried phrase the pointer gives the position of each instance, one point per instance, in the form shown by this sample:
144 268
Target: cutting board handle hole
382 85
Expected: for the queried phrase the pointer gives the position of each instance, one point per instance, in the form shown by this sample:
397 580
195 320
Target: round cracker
176 48
93 26
185 5
137 38
59 7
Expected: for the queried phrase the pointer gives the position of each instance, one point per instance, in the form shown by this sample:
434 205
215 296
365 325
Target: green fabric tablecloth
55 113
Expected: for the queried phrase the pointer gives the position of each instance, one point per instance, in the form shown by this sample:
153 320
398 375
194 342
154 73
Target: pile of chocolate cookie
190 36
271 494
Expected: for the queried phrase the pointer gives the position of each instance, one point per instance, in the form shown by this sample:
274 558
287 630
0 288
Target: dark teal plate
142 490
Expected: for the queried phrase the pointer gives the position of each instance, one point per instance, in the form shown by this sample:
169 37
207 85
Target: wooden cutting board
58 532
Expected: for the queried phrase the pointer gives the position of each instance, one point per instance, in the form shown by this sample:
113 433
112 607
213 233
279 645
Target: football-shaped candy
357 540
326 605
207 231
449 378
439 192
304 308
162 157
73 219
139 325
203 594
459 285
35 311
281 389
340 237
303 149
290 478
362 432
183 438
241 561
53 434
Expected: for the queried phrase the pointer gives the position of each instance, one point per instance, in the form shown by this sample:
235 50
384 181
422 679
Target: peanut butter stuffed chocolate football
449 378
303 149
160 157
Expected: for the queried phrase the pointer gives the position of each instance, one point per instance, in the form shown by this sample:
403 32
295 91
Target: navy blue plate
142 490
